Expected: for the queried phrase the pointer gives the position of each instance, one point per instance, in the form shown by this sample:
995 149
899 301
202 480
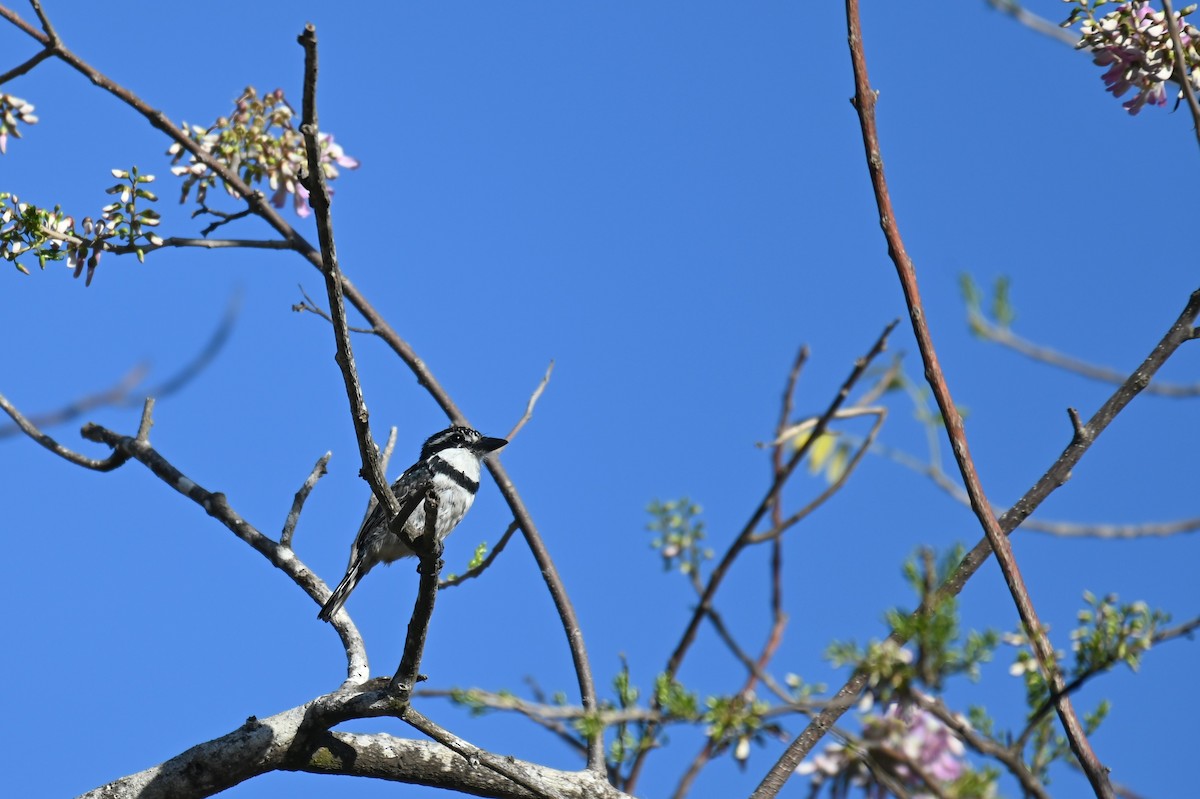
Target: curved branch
47 441
998 334
217 506
121 394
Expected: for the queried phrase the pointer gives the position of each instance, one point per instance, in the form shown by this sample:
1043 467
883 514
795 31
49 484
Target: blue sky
667 199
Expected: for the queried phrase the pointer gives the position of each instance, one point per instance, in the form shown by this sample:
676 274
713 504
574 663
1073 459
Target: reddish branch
865 98
1059 472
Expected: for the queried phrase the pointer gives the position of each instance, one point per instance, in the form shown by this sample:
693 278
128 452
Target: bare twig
31 430
999 334
1181 71
26 66
742 540
459 579
293 517
319 199
312 307
533 398
1034 22
865 98
783 525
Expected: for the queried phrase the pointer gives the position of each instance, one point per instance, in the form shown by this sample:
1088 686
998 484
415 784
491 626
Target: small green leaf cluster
937 650
679 532
1002 311
123 216
1111 633
734 722
26 229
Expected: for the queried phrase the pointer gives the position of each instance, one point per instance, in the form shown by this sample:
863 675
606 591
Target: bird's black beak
486 445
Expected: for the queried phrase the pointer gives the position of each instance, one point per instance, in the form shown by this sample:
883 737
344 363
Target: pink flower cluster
1134 42
909 743
260 143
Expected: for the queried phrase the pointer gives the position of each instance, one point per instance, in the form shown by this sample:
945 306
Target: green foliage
940 650
26 229
679 532
1002 311
675 700
829 454
1110 633
736 722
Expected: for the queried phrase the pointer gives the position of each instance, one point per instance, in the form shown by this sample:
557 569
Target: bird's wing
409 490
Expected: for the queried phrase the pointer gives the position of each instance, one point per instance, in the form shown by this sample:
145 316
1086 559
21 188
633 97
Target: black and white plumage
449 462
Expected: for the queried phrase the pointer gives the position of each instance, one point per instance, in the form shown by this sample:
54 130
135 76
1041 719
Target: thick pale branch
278 743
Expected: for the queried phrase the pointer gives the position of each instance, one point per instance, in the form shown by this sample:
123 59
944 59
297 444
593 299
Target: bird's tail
340 594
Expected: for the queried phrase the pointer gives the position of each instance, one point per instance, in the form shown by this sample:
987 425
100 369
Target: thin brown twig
26 28
293 517
476 571
742 539
312 307
1181 70
533 398
784 525
865 98
28 428
1034 22
27 65
319 199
